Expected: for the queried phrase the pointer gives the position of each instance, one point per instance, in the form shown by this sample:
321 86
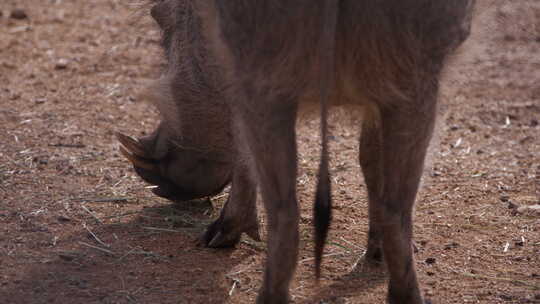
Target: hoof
374 256
266 298
221 234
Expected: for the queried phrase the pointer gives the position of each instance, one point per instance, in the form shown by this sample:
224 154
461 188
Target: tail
323 200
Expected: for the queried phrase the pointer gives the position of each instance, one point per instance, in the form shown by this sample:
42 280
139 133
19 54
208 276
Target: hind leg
404 149
393 148
371 164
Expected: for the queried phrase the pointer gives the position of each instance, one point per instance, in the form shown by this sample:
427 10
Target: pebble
451 246
66 257
61 64
62 218
18 14
40 100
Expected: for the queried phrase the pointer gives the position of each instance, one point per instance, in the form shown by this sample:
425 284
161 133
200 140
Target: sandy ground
78 226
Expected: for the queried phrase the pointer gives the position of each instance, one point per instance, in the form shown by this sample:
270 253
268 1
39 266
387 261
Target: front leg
239 214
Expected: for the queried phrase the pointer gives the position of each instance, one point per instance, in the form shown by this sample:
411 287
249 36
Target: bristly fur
189 85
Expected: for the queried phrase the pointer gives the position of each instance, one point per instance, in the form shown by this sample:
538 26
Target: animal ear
135 152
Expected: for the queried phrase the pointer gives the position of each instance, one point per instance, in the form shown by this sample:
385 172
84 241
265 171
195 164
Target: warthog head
189 155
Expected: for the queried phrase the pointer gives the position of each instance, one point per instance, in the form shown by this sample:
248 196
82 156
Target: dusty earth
77 225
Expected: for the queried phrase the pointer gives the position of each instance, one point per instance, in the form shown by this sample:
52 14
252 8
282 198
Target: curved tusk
138 161
132 145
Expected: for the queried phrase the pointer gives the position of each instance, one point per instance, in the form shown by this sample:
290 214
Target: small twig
329 255
91 213
510 280
120 215
163 229
62 145
506 246
95 236
220 196
13 161
340 246
235 282
242 270
358 260
126 254
102 199
233 287
349 243
97 248
146 254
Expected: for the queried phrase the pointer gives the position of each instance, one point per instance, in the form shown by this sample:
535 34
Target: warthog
237 73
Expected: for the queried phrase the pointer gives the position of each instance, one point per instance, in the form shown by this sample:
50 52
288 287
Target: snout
135 152
177 176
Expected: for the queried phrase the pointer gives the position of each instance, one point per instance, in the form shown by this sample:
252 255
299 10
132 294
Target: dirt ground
78 226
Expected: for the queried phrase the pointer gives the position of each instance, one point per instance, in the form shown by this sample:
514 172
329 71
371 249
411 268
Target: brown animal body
238 71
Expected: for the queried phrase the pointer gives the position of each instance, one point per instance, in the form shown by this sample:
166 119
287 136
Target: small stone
40 160
15 96
8 65
66 257
61 64
511 205
40 100
62 218
18 14
509 38
451 246
19 29
506 297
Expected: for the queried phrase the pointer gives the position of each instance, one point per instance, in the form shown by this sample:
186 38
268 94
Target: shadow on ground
357 284
154 258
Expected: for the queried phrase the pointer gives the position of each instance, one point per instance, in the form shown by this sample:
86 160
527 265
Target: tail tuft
322 215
